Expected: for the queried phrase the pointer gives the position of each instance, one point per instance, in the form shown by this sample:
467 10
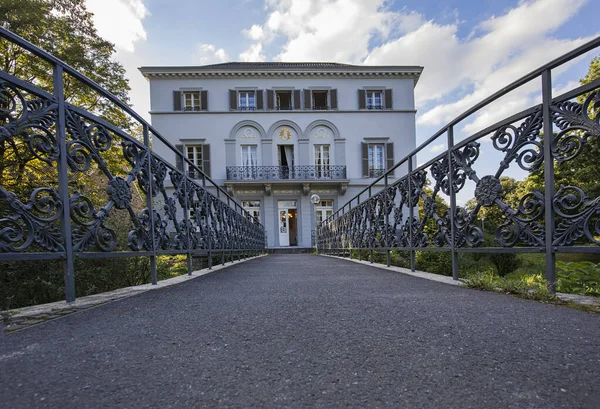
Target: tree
65 29
583 170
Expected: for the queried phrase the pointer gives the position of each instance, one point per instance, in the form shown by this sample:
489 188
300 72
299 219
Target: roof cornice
404 72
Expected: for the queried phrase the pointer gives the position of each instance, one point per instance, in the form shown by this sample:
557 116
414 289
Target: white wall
161 90
216 125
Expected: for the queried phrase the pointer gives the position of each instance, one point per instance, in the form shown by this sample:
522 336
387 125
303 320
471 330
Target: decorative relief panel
287 191
248 133
249 192
321 133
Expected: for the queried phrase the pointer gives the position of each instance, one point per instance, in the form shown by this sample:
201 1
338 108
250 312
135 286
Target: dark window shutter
270 97
362 99
365 159
179 158
233 100
206 159
389 155
259 100
333 96
177 100
307 101
388 99
297 99
204 100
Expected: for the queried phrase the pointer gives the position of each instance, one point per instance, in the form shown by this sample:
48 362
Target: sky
469 49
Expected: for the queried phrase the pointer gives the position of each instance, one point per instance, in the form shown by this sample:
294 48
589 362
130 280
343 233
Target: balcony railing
375 173
302 172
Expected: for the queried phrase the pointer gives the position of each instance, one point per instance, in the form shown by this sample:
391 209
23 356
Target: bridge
307 331
79 188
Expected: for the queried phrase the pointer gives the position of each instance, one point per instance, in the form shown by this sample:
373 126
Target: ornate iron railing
409 214
302 172
144 207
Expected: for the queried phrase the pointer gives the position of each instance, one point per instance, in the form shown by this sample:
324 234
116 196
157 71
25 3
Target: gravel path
307 331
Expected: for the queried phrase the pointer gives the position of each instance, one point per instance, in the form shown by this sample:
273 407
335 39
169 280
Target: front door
288 231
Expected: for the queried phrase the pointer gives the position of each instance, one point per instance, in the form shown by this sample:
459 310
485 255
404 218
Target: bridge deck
303 330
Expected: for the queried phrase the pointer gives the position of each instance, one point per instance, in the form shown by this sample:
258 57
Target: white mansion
276 133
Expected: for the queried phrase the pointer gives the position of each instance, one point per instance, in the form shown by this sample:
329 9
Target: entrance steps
290 250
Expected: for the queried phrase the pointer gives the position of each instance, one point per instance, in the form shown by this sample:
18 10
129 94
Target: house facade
276 134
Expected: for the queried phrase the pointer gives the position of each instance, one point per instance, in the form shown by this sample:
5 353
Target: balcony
302 172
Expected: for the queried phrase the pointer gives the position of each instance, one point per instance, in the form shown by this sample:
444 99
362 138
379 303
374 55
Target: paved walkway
307 331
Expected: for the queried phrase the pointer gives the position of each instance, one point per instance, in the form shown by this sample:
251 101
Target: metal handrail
595 43
21 42
67 225
377 222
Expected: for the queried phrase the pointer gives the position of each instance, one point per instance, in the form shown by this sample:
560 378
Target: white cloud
209 54
500 50
255 33
438 148
119 21
459 72
253 53
331 30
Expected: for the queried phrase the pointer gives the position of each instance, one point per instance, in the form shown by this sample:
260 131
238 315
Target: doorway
288 223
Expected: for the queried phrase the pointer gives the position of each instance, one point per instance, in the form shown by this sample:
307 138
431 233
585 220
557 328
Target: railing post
370 222
452 204
63 184
548 181
150 204
387 221
208 228
350 240
411 215
186 215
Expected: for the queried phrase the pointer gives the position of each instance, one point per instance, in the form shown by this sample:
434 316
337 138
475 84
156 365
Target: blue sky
469 49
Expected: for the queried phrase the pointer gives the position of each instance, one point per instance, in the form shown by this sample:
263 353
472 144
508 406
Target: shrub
529 286
400 258
437 262
581 277
505 262
483 280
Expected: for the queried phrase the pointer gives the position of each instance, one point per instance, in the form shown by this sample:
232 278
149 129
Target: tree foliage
64 28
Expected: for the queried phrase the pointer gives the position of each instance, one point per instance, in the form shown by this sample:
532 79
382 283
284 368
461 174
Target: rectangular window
283 100
191 100
253 209
374 100
249 161
194 155
322 162
320 100
376 160
246 100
